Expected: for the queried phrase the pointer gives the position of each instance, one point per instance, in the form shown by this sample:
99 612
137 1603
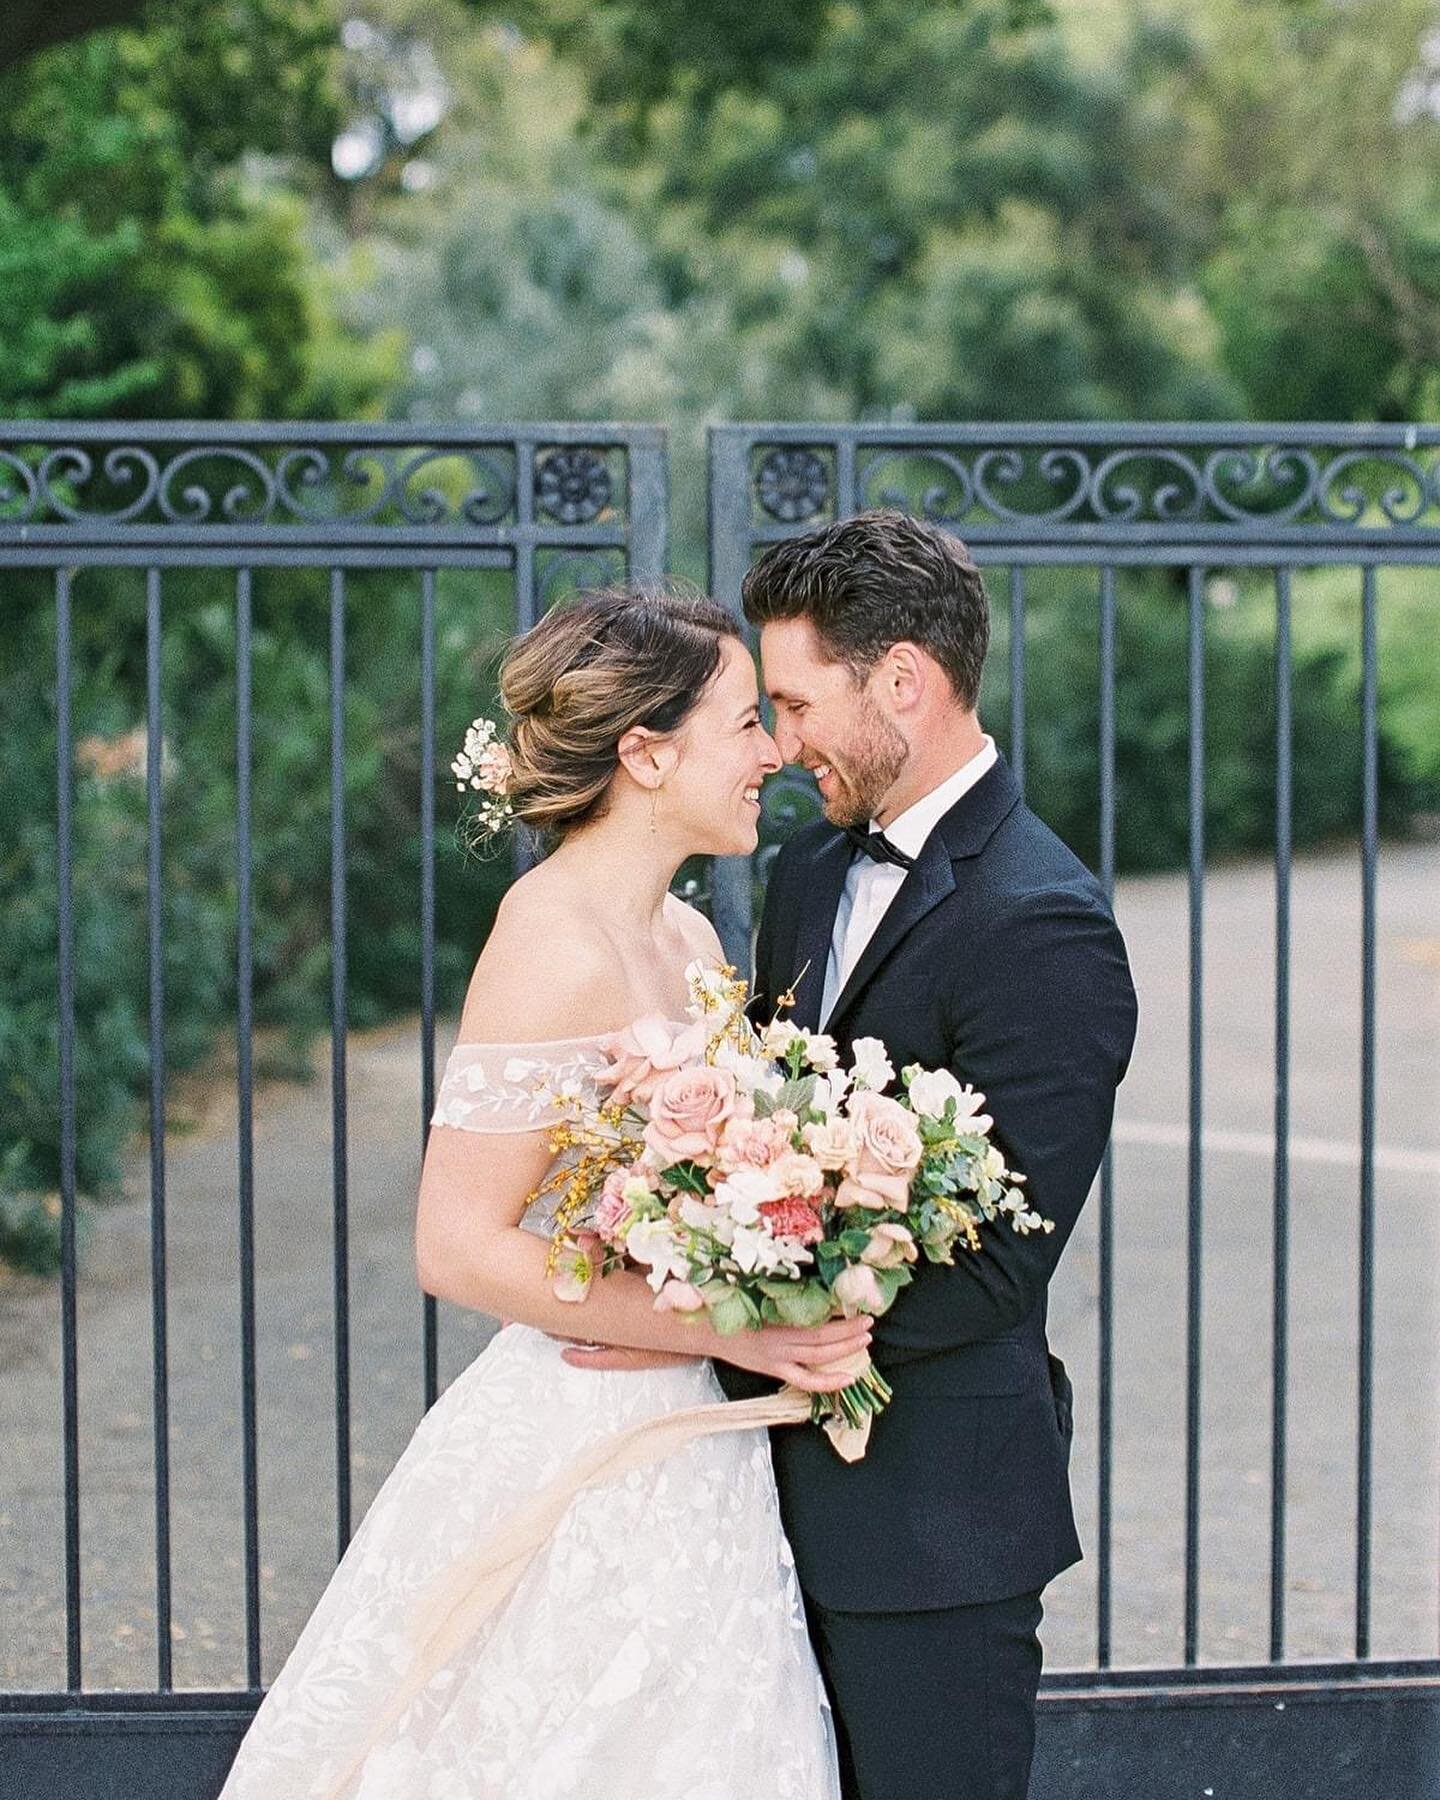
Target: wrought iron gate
539 509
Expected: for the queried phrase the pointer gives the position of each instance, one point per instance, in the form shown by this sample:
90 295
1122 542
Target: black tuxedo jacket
999 959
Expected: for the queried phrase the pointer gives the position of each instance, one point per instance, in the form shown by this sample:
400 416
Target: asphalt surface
298 1528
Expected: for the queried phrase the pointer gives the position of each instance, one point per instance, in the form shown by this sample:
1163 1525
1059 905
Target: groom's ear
905 676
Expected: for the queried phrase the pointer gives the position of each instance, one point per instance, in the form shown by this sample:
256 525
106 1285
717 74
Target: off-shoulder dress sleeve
516 1087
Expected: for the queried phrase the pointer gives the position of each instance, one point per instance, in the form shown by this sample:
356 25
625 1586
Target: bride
655 1648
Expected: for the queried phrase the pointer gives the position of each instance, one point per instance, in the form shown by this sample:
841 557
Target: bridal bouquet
756 1182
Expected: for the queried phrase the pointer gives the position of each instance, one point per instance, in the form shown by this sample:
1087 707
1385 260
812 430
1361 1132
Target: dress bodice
517 1087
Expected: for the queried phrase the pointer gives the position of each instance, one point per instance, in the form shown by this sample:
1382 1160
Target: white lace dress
655 1649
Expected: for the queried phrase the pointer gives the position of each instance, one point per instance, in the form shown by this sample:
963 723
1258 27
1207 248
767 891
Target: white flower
872 1067
820 1051
754 1248
712 990
653 1241
778 1036
930 1091
753 1074
830 1092
745 1191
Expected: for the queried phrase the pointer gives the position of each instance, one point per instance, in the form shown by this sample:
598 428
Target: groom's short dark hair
875 580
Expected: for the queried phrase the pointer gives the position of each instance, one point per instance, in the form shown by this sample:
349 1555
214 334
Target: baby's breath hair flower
484 765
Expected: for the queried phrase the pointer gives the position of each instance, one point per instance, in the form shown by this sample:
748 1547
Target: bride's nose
771 760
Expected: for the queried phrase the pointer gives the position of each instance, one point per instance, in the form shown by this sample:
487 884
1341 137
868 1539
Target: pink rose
613 1208
889 1246
645 1051
888 1152
688 1111
858 1291
754 1142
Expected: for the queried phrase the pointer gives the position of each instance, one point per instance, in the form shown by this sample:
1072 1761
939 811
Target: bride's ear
647 756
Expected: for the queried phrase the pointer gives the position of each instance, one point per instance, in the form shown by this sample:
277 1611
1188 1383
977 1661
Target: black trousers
933 1705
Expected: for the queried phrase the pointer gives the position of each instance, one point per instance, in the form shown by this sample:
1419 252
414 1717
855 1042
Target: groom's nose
788 741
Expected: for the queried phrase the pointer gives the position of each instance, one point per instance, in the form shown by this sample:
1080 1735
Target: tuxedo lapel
819 885
926 885
962 833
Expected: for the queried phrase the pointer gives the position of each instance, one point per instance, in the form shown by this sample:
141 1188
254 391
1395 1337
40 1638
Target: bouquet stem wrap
456 1604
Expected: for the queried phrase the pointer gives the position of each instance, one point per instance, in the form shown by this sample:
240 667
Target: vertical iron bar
429 1310
1195 1196
65 927
1017 672
1370 837
245 1125
1107 1172
338 1031
1280 1320
159 1329
525 612
728 519
844 474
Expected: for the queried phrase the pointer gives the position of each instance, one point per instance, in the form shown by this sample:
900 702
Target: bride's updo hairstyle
592 669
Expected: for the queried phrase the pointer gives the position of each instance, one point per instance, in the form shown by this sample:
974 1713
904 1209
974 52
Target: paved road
298 1530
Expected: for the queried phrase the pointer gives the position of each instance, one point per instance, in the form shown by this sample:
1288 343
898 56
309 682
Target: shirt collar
909 830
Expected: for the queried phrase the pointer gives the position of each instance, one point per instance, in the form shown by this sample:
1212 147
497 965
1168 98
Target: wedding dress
654 1649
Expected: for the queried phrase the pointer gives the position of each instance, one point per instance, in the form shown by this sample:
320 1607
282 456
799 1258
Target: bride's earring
654 802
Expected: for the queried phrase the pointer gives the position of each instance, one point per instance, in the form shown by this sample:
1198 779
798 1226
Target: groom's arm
1043 1028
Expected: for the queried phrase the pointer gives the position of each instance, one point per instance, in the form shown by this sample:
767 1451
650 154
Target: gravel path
296 1380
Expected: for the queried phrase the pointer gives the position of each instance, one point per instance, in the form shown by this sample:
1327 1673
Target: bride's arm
469 1245
470 1249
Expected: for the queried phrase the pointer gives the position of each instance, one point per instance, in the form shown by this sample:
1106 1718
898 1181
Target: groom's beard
867 769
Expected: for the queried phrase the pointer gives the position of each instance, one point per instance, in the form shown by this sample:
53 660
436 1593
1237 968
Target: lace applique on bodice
517 1087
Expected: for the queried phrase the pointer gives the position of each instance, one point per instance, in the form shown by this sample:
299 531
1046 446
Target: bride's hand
819 1359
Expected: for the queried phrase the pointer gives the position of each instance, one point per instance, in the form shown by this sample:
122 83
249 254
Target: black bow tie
878 847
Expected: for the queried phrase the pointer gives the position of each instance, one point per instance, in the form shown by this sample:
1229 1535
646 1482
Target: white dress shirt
870 887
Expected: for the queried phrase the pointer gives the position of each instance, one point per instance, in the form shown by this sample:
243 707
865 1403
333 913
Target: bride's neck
632 869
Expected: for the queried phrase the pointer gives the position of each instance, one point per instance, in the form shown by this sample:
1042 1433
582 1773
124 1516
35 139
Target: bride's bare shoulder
544 972
699 933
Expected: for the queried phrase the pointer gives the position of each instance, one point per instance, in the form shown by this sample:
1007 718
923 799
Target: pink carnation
793 1219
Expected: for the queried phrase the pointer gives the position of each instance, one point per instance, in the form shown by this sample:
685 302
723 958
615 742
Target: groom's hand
819 1359
614 1356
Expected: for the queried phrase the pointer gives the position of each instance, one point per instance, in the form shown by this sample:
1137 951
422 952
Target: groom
933 910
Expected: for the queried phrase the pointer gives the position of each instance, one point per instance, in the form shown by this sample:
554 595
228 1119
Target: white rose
872 1067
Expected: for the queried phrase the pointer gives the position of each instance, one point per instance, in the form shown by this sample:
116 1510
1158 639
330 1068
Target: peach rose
888 1153
858 1291
645 1051
688 1112
833 1144
799 1174
889 1246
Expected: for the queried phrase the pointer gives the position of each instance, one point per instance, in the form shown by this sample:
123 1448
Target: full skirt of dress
655 1649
